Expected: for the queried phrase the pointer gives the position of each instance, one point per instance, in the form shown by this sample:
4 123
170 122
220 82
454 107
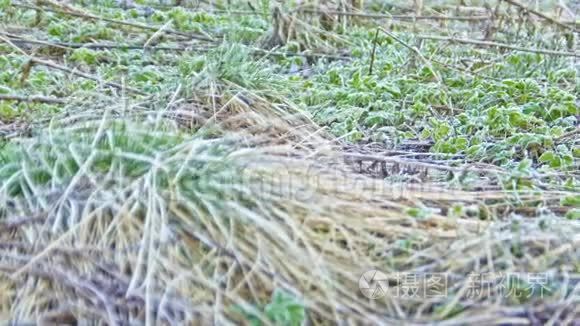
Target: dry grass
198 209
131 222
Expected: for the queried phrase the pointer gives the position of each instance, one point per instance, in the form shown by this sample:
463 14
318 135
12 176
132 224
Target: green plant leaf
573 214
285 309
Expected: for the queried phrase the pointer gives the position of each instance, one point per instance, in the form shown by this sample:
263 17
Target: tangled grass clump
128 222
148 213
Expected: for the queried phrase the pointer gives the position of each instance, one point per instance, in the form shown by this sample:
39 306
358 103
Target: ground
288 163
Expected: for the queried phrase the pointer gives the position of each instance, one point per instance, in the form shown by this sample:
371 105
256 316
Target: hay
118 222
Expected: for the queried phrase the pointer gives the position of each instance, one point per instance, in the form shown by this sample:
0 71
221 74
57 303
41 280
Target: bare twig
32 61
114 21
20 39
539 14
366 15
296 54
65 45
85 75
380 158
373 52
103 46
394 17
33 98
500 45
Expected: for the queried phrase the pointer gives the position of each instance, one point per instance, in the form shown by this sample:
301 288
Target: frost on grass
125 222
261 167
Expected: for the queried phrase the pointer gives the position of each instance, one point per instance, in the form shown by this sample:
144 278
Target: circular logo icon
373 284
